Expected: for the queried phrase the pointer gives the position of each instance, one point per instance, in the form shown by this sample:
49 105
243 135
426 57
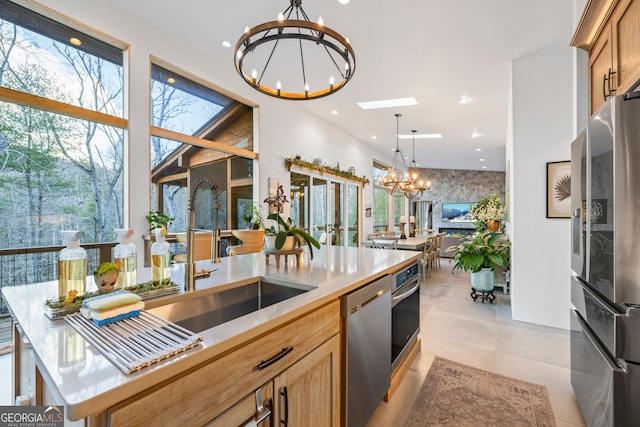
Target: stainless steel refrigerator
605 262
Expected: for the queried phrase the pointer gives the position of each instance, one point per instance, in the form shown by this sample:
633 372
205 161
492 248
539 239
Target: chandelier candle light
327 60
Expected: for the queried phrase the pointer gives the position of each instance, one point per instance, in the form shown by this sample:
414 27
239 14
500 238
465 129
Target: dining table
410 243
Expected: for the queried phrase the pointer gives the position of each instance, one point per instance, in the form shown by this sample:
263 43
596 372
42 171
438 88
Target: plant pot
483 280
270 242
493 225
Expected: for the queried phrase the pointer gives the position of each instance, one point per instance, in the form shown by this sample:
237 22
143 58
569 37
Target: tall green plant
483 249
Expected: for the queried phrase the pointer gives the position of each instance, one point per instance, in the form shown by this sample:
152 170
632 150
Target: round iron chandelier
327 60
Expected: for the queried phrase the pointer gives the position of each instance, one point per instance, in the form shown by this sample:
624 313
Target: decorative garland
324 168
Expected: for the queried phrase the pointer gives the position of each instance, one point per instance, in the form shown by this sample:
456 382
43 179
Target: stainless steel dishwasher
366 317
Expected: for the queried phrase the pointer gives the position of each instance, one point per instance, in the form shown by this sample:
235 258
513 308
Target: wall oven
405 312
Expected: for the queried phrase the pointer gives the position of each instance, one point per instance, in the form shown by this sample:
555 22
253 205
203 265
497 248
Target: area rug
459 396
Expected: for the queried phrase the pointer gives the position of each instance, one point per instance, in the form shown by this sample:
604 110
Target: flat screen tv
456 212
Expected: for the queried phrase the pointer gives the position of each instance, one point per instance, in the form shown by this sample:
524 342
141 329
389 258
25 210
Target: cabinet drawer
203 394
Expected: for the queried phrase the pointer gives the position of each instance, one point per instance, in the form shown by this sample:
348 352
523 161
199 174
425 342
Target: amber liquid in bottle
72 275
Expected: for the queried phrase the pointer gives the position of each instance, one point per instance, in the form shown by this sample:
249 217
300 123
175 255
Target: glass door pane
319 195
353 207
300 200
327 209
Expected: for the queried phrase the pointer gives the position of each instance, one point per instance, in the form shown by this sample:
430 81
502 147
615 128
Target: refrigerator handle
576 230
614 364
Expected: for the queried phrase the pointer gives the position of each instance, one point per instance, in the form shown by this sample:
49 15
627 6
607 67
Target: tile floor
480 335
455 327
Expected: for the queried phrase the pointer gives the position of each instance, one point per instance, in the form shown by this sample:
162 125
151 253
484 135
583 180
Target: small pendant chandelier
396 179
326 59
416 186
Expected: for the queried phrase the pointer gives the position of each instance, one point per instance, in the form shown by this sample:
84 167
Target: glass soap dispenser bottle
72 265
160 259
125 257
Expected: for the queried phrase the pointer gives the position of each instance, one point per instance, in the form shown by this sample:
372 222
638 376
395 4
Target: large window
387 209
61 131
197 131
380 200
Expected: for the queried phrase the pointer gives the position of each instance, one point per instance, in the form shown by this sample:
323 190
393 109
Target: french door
326 207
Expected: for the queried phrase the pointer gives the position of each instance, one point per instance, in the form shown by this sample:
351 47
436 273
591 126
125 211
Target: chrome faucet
190 273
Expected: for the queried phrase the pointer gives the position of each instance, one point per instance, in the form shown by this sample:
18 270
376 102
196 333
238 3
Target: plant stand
276 253
483 295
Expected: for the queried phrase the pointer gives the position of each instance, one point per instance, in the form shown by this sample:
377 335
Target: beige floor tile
555 378
552 348
461 352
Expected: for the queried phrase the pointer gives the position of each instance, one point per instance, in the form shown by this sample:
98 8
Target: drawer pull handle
266 363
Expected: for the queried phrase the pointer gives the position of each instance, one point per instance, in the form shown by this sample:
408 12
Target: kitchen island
207 382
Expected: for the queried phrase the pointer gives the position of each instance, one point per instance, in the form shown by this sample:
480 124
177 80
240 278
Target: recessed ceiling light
171 80
374 137
475 134
484 167
387 103
478 149
226 43
343 1
482 160
75 41
464 100
334 112
422 136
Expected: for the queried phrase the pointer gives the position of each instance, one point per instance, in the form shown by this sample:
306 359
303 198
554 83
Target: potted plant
286 235
480 253
252 217
488 212
158 220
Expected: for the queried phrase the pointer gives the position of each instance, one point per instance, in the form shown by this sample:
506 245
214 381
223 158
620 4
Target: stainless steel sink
201 312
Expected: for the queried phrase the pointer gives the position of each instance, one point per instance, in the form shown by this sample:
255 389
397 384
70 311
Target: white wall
285 129
541 131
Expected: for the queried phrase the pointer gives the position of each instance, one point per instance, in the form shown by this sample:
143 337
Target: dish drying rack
134 343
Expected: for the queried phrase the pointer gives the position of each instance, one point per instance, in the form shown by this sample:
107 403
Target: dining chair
384 242
427 255
425 231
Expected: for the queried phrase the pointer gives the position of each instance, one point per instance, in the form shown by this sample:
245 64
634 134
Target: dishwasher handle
358 299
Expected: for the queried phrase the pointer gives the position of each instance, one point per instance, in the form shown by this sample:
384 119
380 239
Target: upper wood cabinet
610 31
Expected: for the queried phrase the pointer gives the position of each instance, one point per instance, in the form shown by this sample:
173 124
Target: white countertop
91 383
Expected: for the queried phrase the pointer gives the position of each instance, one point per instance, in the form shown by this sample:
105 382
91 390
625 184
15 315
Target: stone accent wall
456 185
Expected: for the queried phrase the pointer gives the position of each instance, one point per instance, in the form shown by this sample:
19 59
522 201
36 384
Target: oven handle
395 299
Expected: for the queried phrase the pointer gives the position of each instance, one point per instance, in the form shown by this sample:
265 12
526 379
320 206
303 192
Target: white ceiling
435 51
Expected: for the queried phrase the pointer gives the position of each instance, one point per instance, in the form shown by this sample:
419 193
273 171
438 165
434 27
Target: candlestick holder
412 230
402 235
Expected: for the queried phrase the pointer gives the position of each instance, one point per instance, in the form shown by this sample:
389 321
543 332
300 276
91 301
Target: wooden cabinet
625 32
601 70
610 31
301 357
308 392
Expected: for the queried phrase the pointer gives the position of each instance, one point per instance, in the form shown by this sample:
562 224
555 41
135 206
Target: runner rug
458 395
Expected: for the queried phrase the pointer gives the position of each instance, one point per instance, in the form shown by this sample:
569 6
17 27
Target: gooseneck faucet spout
190 267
